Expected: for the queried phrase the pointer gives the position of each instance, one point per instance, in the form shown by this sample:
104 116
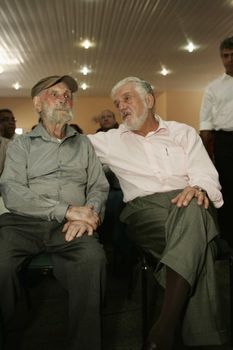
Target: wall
181 106
184 106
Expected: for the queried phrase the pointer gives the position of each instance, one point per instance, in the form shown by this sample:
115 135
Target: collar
40 131
226 76
162 127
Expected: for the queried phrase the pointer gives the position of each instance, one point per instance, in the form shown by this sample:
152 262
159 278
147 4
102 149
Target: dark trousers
182 239
79 266
223 158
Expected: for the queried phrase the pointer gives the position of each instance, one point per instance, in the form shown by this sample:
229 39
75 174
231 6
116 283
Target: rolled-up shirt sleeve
200 168
97 185
206 111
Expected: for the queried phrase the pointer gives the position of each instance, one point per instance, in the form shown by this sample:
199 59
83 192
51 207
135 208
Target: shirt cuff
206 126
60 212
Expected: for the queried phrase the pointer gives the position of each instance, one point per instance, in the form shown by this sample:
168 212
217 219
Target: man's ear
37 103
150 101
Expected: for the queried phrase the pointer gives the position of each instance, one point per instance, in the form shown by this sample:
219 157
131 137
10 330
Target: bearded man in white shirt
216 129
171 187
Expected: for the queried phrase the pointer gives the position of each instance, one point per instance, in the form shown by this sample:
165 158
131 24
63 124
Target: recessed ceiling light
84 86
86 44
85 70
7 58
164 71
1 69
190 47
16 86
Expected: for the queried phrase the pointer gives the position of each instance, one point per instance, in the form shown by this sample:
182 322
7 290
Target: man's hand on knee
77 228
85 214
184 198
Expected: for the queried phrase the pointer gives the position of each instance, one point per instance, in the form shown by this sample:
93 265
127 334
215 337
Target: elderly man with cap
55 189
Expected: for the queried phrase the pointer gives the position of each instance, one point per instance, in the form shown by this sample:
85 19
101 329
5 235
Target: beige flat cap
47 82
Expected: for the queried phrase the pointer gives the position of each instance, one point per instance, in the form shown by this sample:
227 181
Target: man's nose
62 100
121 106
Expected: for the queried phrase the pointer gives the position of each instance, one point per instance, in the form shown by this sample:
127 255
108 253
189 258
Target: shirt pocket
175 161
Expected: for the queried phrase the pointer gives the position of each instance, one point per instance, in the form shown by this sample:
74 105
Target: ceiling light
9 57
85 70
1 70
16 86
86 44
190 47
164 71
84 86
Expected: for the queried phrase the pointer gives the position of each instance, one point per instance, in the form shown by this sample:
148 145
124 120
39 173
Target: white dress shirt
172 157
217 105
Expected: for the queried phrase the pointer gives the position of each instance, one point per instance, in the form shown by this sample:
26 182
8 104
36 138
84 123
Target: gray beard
57 116
136 123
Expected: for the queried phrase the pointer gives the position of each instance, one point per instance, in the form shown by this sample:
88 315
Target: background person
54 186
170 186
216 131
7 123
107 120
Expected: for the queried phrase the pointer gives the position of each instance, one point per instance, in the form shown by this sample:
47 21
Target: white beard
61 116
136 123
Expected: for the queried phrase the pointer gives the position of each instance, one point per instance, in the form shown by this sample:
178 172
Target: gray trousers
183 239
79 266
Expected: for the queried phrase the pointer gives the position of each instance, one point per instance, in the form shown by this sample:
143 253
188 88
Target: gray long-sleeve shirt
43 176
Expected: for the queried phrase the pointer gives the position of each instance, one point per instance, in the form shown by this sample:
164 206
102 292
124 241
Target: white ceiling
132 37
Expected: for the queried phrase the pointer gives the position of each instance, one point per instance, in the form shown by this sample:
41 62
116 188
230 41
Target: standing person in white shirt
170 186
216 128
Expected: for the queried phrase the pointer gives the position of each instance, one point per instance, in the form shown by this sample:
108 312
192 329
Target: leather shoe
149 345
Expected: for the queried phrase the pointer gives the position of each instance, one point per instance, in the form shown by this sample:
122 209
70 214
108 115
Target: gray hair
142 86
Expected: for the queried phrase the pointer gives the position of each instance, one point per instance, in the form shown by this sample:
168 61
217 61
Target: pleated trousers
79 266
183 239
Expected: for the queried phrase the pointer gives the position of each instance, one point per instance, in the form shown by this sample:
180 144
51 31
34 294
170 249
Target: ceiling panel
132 37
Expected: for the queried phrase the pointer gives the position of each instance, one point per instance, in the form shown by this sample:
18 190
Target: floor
44 326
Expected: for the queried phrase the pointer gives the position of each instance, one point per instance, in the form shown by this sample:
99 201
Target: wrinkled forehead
125 89
60 87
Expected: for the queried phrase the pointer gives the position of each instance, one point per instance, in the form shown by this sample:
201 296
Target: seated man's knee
93 253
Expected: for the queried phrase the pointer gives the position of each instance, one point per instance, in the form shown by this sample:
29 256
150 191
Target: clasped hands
80 221
184 198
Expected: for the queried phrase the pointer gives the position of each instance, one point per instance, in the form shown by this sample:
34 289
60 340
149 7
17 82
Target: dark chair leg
231 299
144 281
